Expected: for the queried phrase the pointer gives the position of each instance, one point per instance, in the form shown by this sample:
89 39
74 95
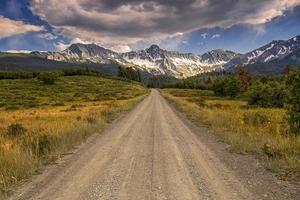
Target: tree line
49 77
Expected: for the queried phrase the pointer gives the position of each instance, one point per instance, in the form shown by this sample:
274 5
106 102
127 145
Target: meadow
247 129
40 123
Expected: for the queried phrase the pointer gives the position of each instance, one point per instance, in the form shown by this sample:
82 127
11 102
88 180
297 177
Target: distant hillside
33 62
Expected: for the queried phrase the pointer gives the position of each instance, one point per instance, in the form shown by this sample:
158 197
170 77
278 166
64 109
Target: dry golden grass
52 130
262 131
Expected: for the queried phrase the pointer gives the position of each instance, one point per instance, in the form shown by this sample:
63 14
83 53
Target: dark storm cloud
128 21
114 4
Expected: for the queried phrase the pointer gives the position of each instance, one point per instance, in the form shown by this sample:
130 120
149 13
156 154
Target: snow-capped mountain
158 61
270 58
275 50
84 53
218 57
153 59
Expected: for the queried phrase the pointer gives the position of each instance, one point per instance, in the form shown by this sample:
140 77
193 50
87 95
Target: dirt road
150 153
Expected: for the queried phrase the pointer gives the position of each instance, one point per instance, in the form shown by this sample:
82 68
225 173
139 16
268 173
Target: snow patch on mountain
269 58
277 49
159 61
184 61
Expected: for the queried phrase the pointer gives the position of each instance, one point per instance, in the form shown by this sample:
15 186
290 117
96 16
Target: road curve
148 154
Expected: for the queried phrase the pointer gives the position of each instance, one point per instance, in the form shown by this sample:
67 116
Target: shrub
218 88
16 75
229 86
269 94
48 78
233 86
81 71
257 118
12 107
91 119
260 118
40 144
219 106
31 104
16 129
271 151
293 83
58 104
197 100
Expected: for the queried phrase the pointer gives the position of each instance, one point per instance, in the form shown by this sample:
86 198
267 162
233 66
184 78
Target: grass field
39 123
259 131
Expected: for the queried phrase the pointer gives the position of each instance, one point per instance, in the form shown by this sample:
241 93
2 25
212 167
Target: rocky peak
218 56
154 50
154 47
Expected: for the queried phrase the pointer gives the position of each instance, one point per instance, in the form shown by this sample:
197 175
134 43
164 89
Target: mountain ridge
271 53
153 59
270 58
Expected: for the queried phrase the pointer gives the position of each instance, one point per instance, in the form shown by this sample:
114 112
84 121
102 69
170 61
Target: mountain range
270 58
153 60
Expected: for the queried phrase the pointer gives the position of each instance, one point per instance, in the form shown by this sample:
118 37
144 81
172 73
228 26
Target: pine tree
244 76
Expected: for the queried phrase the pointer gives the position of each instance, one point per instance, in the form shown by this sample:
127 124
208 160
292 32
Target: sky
195 26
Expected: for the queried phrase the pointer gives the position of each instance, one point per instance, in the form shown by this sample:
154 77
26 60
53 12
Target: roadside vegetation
256 115
46 115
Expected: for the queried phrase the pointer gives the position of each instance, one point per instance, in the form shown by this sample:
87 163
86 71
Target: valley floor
155 153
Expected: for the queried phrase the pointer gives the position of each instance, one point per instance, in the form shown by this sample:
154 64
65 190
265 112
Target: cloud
185 42
204 35
259 29
10 27
19 51
47 36
120 48
123 22
215 36
60 46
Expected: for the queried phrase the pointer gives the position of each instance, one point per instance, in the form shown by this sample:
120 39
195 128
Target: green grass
16 94
5 54
52 119
248 130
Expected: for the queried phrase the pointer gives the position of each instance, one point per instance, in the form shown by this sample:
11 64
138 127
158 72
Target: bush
197 100
91 119
81 71
48 78
16 75
229 86
256 118
233 86
269 94
293 83
16 129
219 88
40 144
